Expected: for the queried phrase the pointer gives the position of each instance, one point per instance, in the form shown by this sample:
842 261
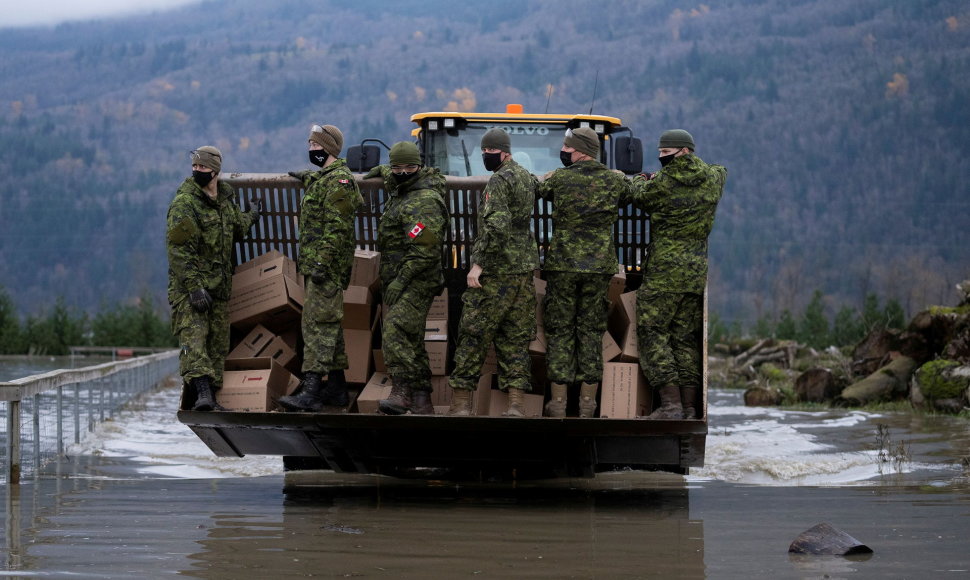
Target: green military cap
497 138
405 153
208 156
675 139
583 140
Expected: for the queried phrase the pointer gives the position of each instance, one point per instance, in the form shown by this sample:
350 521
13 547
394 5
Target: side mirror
363 158
628 154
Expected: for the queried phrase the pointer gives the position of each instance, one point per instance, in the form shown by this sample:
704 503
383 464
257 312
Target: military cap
583 140
208 156
328 137
675 139
496 138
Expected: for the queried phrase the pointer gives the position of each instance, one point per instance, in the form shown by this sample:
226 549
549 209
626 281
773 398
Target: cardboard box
266 268
254 384
253 343
261 259
490 366
442 393
439 307
499 403
538 344
379 366
617 286
366 269
624 394
623 326
358 308
273 299
437 356
358 346
279 351
611 349
377 388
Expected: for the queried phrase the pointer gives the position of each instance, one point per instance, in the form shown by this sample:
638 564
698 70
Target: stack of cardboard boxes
265 310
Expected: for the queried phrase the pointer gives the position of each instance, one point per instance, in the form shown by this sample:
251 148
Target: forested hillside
845 126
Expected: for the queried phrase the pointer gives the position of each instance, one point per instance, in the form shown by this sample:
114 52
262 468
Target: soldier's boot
206 400
421 403
688 398
587 399
335 391
399 401
516 403
461 403
307 397
556 407
669 404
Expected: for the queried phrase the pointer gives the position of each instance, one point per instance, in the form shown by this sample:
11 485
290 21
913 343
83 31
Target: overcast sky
51 12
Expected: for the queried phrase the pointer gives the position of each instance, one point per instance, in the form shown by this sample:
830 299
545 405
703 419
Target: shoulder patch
416 230
182 231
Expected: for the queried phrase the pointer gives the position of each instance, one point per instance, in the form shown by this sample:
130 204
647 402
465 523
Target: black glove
200 300
303 176
256 207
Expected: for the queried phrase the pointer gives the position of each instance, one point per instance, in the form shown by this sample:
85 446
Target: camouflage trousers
574 315
404 323
669 326
323 336
203 339
503 312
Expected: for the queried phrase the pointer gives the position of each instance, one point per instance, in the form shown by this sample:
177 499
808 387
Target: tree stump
761 397
816 385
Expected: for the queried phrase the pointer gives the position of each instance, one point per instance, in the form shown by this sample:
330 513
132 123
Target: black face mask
202 177
402 177
318 157
665 159
492 160
566 158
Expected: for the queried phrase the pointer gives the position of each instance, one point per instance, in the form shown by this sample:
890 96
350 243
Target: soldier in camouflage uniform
203 223
681 200
409 237
499 305
327 244
578 266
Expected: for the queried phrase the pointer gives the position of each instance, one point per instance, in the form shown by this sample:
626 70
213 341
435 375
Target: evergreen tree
846 329
786 329
10 334
871 315
894 315
813 329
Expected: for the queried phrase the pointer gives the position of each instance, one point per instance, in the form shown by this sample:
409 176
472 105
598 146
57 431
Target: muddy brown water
99 516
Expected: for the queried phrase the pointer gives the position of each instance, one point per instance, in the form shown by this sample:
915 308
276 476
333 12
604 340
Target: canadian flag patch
345 181
416 230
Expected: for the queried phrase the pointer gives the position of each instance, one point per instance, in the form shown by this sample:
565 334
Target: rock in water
824 539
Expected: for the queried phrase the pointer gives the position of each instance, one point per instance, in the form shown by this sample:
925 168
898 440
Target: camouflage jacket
504 243
681 200
585 200
412 229
327 239
200 235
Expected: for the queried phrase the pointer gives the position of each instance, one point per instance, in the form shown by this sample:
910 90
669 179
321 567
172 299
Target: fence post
13 442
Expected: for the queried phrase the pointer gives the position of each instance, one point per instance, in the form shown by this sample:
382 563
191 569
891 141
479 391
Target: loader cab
450 141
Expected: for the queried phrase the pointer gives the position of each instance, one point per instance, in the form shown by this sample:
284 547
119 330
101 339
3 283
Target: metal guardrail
51 402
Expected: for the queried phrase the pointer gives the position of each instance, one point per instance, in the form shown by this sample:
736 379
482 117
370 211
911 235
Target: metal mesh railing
44 412
279 227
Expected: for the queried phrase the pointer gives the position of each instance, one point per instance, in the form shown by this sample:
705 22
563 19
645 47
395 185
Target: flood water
143 498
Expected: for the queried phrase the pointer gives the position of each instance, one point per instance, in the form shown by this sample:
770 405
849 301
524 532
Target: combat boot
516 403
556 407
587 400
688 398
307 396
335 392
399 401
669 404
421 403
461 403
206 400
